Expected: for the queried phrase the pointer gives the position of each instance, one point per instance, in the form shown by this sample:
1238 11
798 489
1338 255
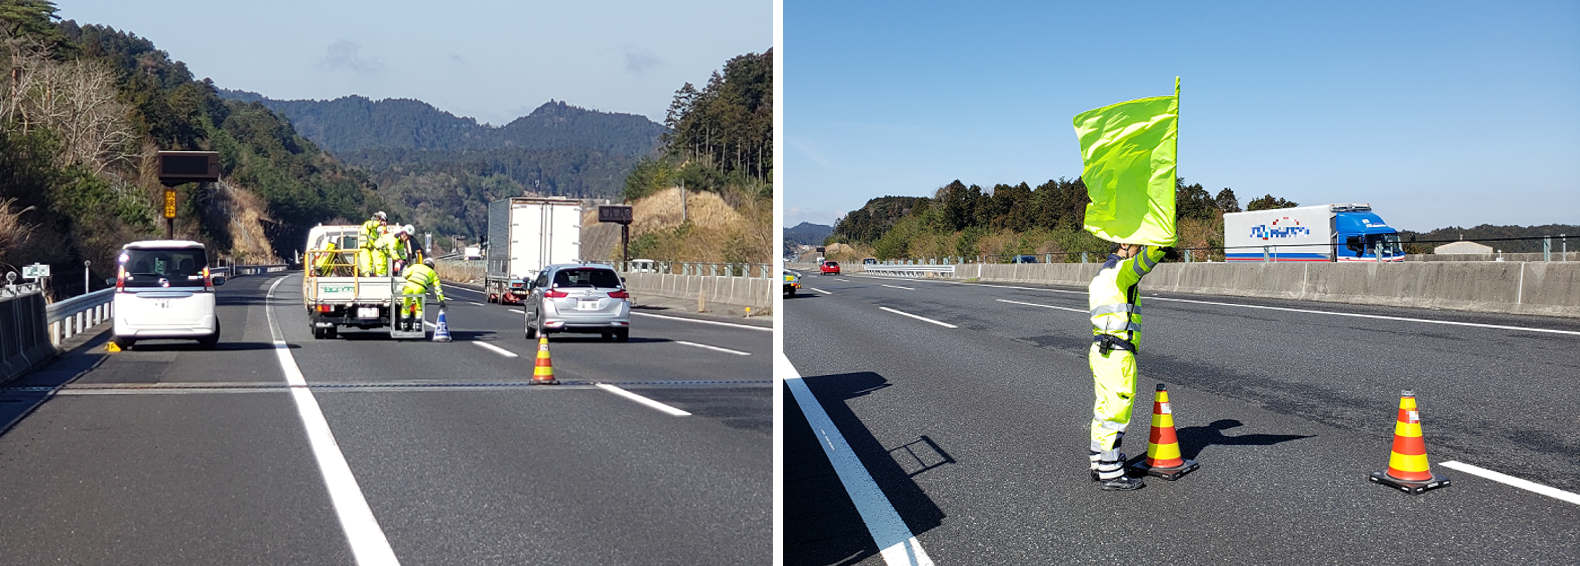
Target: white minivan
163 290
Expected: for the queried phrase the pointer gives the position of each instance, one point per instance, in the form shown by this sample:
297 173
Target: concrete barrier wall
754 292
24 340
1556 255
1540 288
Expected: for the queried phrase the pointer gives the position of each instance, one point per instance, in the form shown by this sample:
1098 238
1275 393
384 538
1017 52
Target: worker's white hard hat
380 215
408 229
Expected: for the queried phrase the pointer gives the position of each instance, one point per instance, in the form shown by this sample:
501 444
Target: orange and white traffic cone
1163 447
543 371
1407 467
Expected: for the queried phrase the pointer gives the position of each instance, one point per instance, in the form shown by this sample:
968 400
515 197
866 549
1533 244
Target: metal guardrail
78 314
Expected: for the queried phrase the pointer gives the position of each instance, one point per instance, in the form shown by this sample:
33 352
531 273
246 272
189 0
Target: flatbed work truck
337 295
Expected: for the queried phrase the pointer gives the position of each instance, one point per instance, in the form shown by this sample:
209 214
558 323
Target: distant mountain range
353 123
807 234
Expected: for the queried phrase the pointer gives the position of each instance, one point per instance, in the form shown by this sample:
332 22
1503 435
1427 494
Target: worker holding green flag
1129 155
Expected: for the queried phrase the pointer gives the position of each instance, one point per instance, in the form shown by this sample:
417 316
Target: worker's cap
428 261
408 230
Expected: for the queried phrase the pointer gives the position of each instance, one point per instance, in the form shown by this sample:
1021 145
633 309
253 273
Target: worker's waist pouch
1107 343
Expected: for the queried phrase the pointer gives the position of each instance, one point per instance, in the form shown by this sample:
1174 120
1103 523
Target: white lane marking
725 350
475 303
895 541
643 400
1378 316
497 349
1043 306
518 311
368 543
820 290
746 326
1506 479
896 287
923 318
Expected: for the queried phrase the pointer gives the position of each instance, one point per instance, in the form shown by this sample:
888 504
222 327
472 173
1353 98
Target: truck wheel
318 333
331 332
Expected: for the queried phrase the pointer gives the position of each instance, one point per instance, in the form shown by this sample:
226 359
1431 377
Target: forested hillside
720 142
86 107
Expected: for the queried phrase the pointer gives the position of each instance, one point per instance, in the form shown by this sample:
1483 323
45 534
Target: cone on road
543 370
1408 470
1163 447
441 330
112 347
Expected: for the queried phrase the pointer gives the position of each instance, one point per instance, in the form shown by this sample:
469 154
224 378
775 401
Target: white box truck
524 235
1328 232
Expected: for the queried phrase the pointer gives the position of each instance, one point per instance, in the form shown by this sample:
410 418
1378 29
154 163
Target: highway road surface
946 423
280 449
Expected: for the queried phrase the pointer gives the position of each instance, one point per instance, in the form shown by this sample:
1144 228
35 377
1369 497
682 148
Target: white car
163 290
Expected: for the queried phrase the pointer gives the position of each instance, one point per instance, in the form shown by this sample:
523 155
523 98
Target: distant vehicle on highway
578 297
792 282
1023 258
828 267
472 252
163 290
869 261
643 266
525 234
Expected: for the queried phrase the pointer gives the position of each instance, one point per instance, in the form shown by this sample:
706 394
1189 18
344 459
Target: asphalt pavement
170 454
966 407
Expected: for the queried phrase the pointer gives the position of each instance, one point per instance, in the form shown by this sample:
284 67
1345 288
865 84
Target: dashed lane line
369 546
643 400
894 539
819 290
1506 479
715 348
1042 306
895 287
699 321
497 349
921 318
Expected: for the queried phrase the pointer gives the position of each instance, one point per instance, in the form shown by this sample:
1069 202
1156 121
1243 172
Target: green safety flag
1129 152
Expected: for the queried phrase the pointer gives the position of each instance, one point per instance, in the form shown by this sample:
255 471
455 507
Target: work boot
1123 483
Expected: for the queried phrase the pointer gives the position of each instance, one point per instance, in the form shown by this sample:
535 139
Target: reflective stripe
1110 425
1111 324
1117 308
1147 258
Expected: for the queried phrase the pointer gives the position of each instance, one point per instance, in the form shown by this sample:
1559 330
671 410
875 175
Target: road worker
1115 301
420 279
389 248
374 228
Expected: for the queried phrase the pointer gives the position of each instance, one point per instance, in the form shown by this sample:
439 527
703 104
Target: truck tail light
208 282
120 279
621 294
555 294
323 308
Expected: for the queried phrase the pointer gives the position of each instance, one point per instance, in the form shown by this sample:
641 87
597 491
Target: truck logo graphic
336 288
1264 232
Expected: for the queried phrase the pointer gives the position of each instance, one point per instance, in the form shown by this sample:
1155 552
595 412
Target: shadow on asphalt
822 525
1193 439
192 346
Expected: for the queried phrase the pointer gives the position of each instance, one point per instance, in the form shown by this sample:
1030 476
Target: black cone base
1407 486
1169 474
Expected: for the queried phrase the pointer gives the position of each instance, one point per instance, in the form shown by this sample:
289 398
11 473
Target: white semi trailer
524 235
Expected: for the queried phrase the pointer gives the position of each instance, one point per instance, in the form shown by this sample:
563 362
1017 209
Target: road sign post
180 167
622 215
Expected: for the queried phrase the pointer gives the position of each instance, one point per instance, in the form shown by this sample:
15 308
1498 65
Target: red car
829 267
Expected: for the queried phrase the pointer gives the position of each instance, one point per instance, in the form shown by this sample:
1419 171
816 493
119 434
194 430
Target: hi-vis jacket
371 230
1114 298
420 279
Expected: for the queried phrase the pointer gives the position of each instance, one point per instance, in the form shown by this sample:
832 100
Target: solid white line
725 350
1377 316
896 287
923 318
643 400
519 311
368 543
820 290
748 326
497 350
1506 479
1043 306
895 541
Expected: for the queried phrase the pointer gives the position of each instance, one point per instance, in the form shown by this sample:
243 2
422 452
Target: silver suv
579 297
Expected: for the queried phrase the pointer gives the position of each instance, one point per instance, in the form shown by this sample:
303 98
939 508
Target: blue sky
491 60
1439 114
